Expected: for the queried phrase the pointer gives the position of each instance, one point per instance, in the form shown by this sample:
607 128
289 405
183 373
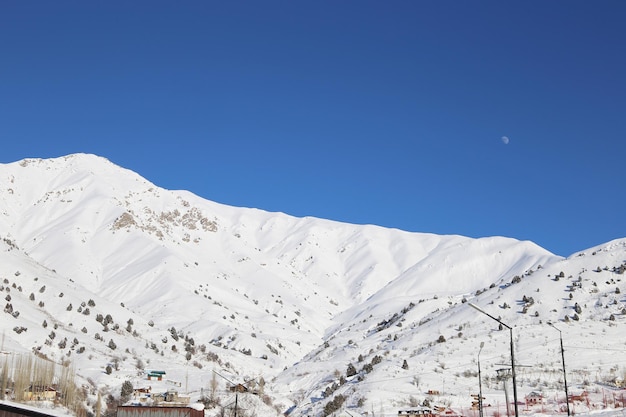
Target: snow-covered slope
193 286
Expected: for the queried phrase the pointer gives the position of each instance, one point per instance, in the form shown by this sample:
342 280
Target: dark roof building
17 410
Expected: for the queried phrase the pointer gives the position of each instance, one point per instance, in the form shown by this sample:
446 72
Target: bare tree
5 378
21 376
213 384
98 409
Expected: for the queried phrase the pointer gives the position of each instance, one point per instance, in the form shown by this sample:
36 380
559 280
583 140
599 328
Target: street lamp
563 359
512 353
480 384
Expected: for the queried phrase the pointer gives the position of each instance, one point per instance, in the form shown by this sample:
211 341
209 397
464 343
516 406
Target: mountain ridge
263 292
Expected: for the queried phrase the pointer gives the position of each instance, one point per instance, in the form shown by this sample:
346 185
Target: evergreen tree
127 390
351 371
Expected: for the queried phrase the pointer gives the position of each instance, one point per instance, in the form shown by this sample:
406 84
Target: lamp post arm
474 306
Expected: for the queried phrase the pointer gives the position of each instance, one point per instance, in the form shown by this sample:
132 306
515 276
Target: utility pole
564 373
480 384
503 375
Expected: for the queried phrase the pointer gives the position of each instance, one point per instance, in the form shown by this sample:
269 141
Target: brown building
132 411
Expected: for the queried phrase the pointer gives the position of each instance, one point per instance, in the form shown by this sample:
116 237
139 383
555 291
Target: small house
446 411
416 412
46 393
155 375
580 396
142 395
534 397
240 388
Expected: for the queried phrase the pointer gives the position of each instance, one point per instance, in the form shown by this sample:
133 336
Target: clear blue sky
368 112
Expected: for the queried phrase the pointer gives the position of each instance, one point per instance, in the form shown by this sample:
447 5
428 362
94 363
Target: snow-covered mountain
98 266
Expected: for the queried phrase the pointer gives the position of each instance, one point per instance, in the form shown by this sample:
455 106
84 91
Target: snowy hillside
100 267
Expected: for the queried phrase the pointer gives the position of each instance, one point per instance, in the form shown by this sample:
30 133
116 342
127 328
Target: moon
505 140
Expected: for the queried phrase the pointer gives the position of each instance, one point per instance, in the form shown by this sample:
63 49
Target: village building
534 398
169 398
46 393
240 388
155 375
9 409
416 412
446 412
581 396
142 411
